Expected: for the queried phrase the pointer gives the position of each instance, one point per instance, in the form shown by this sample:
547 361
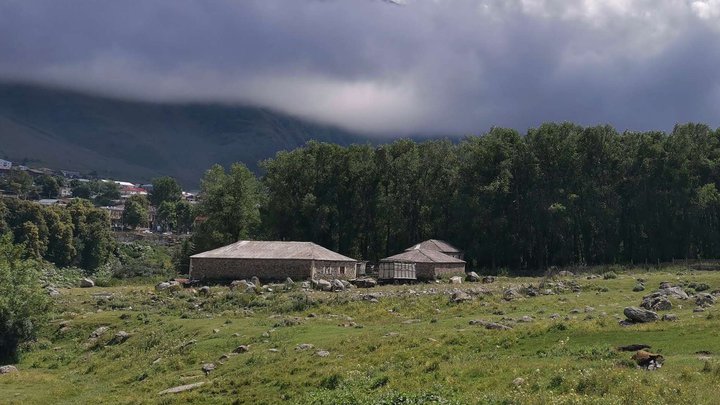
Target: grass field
412 346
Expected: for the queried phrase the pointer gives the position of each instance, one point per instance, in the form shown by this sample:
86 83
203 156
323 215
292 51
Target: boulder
304 346
347 284
518 381
456 280
174 286
322 353
656 303
306 285
255 280
242 285
181 388
704 299
639 287
366 282
496 326
665 285
86 283
323 285
472 277
640 315
207 368
8 369
204 291
99 332
162 286
674 292
242 349
460 296
119 338
488 279
337 285
511 293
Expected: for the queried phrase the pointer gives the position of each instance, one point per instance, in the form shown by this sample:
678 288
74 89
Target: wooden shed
269 260
428 264
438 246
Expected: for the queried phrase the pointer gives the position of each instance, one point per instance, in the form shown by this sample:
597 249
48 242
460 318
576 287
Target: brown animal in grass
644 359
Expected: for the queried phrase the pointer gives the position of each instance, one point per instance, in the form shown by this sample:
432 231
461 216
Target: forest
559 195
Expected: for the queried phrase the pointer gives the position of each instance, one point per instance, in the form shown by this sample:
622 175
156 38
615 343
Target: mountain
63 129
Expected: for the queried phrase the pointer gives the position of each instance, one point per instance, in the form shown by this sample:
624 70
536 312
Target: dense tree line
76 235
559 195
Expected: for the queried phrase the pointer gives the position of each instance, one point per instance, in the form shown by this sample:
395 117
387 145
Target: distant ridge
64 129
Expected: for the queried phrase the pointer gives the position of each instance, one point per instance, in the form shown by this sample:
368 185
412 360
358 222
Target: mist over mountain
64 129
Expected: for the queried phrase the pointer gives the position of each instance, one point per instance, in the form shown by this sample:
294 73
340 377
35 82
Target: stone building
438 246
271 261
429 264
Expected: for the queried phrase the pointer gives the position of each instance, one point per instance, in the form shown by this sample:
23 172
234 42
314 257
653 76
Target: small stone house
429 264
438 246
271 261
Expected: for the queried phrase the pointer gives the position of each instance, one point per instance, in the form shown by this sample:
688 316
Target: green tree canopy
165 189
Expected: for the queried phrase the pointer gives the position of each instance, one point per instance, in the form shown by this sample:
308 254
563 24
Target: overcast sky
428 66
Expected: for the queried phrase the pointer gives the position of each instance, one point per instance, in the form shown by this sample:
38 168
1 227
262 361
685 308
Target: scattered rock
289 282
8 369
456 280
204 291
655 302
472 277
322 353
243 285
323 285
181 388
489 325
255 280
86 283
99 332
555 316
674 292
337 285
488 280
162 286
589 309
526 319
366 282
704 299
699 309
565 273
640 315
511 293
518 381
119 338
273 350
669 317
304 346
207 368
242 349
52 292
306 285
665 285
639 287
460 296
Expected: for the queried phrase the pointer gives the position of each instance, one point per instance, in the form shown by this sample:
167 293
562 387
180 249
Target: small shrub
610 275
331 382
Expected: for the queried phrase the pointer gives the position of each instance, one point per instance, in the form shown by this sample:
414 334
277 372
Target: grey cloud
428 66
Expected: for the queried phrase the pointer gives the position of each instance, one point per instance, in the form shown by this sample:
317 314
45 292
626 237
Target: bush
23 303
610 275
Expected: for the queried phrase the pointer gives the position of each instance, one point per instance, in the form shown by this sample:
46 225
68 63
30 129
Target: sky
390 67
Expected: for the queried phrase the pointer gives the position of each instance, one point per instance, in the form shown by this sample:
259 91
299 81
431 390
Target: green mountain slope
64 129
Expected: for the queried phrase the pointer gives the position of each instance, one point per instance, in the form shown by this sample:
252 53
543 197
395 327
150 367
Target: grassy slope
437 355
69 130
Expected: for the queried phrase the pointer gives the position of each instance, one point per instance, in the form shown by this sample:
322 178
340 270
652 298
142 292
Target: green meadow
408 345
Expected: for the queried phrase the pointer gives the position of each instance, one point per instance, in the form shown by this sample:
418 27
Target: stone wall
268 270
430 271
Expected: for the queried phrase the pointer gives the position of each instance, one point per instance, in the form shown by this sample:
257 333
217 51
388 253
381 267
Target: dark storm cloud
448 66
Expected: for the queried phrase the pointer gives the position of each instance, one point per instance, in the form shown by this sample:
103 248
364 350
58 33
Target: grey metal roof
250 249
422 256
434 244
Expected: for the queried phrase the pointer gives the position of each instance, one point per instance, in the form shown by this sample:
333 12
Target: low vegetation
407 344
